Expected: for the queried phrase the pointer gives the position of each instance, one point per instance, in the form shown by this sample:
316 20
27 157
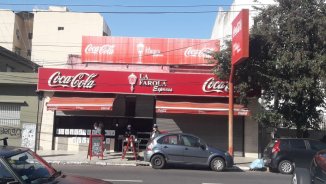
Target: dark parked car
23 166
183 148
284 154
315 174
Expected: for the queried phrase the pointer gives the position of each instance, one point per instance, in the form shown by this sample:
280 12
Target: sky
151 19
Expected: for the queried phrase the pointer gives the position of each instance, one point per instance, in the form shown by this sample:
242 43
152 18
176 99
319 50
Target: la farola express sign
93 81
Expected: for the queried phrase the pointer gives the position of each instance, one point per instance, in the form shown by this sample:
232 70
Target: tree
287 64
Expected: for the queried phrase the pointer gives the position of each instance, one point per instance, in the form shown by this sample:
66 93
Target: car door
171 147
316 145
193 152
300 152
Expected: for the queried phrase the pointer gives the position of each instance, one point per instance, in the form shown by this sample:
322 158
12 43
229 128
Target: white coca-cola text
80 80
211 85
237 29
203 53
103 49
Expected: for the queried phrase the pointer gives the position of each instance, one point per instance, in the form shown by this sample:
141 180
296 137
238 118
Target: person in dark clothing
274 134
96 128
101 129
130 134
129 131
155 131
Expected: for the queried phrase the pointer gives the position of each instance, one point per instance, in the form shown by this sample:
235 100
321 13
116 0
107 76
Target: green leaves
287 62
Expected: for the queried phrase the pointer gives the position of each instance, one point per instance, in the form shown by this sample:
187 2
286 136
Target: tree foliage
287 64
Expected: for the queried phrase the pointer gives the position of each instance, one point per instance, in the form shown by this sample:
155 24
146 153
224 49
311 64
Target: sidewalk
80 158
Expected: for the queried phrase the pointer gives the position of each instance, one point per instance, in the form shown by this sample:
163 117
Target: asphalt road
183 175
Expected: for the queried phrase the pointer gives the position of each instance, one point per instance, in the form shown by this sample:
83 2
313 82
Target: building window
17 50
17 34
30 36
61 28
29 52
9 115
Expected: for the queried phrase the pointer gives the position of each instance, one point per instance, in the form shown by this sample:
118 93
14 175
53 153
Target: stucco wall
46 125
52 46
7 20
24 96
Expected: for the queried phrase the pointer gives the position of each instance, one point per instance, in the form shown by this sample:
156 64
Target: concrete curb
62 162
235 167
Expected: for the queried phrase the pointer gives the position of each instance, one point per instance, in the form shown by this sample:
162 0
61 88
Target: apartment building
16 32
47 37
222 28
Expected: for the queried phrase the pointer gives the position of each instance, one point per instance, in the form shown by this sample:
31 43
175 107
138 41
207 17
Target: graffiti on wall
10 131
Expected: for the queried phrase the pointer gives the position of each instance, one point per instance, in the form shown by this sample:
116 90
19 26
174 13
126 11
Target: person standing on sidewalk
96 128
101 131
155 131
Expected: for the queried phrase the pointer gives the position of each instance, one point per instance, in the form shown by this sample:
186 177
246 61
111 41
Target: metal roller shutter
213 129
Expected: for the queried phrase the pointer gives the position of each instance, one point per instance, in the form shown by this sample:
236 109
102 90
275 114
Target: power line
127 12
132 6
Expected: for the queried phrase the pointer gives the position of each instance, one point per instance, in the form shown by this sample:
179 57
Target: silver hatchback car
185 149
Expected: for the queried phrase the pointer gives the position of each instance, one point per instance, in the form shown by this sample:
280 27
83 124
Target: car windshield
30 166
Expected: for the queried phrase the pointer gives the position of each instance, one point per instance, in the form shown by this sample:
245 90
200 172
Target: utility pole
240 52
231 110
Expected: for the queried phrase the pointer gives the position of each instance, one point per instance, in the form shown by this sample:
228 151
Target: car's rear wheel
285 167
217 164
158 162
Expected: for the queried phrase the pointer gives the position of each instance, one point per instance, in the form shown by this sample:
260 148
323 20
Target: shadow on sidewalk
57 155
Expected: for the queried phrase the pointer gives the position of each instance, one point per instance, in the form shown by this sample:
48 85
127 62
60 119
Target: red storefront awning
80 103
168 107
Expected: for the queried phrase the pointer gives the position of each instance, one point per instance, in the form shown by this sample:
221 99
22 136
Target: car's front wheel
158 162
285 167
217 164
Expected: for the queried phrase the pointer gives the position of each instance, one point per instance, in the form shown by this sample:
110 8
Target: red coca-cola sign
91 81
162 51
80 80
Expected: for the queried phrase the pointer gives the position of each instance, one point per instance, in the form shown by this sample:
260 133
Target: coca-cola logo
203 53
237 29
103 49
212 85
80 80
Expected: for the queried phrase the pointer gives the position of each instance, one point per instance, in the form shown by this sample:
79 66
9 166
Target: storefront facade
191 100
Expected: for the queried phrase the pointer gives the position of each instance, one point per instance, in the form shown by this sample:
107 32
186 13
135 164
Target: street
147 175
